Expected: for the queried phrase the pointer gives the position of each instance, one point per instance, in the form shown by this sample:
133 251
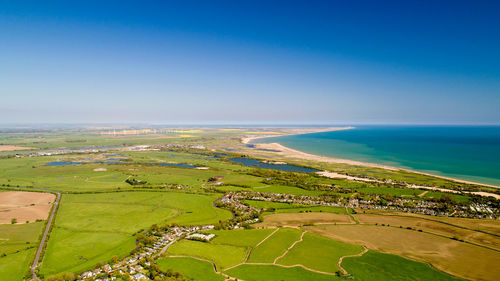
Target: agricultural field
274 272
91 228
223 256
24 207
289 254
374 266
191 268
300 219
274 246
451 256
318 253
17 246
245 238
435 227
479 225
109 199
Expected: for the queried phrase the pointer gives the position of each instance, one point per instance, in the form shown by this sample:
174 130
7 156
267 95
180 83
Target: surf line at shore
293 153
298 131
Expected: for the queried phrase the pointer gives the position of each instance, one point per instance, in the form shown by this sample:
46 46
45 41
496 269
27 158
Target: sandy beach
292 153
295 131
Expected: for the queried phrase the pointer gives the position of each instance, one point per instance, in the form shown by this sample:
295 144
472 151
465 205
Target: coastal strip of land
295 131
282 150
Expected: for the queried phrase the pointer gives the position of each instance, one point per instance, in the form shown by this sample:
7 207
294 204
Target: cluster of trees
154 272
239 216
144 240
300 180
63 276
134 181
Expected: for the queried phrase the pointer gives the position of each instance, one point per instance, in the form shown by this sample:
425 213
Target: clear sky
294 62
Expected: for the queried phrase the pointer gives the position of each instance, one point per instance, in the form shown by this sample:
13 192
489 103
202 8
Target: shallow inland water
282 167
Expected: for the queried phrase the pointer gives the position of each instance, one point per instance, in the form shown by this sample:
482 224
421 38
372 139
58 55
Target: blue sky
251 62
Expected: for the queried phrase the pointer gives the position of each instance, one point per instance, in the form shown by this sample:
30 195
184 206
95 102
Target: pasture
374 266
454 257
240 237
250 272
222 255
274 246
18 242
91 228
76 251
191 268
318 253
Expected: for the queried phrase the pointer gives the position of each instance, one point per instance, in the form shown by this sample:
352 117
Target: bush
63 276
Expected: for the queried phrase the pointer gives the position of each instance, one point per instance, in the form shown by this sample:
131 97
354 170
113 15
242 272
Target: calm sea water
469 153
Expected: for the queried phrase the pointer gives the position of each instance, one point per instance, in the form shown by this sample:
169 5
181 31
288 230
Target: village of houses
133 265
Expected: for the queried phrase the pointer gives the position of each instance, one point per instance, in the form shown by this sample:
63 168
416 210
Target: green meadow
274 246
191 268
76 251
374 266
222 255
91 228
240 237
18 242
319 253
100 212
251 272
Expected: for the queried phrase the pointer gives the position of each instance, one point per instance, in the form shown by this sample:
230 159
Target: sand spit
296 131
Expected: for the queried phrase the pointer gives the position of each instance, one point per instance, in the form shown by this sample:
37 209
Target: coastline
293 153
299 131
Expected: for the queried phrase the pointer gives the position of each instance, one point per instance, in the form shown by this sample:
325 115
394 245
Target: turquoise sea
464 152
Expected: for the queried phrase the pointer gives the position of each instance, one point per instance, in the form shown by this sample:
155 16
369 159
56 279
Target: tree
13 221
63 276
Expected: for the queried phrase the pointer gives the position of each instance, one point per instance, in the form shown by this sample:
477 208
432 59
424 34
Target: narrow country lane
44 238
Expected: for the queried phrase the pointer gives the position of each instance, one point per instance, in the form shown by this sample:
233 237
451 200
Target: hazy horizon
293 62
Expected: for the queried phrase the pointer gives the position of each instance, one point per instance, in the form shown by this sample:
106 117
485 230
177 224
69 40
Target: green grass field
272 273
191 268
374 266
18 242
240 237
319 253
392 191
456 197
285 189
91 228
275 245
76 251
222 255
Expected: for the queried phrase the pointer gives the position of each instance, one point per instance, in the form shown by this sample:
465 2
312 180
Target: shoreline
300 131
293 153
